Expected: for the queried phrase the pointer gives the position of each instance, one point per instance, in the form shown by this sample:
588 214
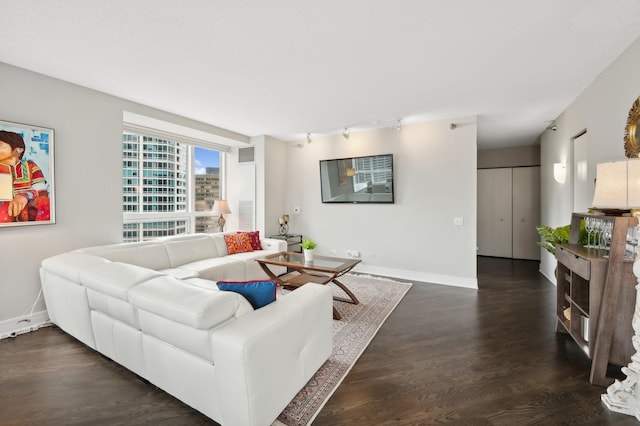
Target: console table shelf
596 297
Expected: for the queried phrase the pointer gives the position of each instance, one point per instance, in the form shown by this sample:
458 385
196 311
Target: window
168 186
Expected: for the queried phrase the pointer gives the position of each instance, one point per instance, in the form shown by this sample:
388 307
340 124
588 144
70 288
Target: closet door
494 212
526 212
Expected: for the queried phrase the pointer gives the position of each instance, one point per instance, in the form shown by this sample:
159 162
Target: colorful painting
26 175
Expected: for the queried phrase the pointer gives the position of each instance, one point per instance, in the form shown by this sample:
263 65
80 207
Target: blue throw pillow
258 293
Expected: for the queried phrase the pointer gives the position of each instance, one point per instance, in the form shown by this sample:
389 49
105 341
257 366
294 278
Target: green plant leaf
308 245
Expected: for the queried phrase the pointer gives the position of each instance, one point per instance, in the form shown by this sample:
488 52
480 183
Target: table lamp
221 207
284 224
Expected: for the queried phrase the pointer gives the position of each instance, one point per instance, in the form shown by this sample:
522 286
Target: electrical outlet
353 253
458 221
332 251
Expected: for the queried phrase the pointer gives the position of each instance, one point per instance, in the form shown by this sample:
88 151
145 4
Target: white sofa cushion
152 255
253 270
200 282
70 265
114 308
116 278
108 289
180 273
190 250
197 307
218 268
221 244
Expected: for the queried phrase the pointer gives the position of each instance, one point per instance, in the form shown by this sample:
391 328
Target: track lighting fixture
395 123
552 126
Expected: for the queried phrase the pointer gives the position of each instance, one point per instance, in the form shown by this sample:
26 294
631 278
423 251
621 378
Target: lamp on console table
221 207
284 224
618 188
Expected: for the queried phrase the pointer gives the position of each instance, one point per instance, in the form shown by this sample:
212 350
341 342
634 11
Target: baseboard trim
24 324
15 326
553 280
404 274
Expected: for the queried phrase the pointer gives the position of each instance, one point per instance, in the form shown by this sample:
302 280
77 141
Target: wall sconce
560 172
284 224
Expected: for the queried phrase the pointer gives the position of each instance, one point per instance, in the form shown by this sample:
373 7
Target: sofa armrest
273 244
263 359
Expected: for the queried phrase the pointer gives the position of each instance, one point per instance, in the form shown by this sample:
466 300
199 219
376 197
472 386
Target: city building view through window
158 176
207 185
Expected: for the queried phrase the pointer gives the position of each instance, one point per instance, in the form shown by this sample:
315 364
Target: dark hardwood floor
446 355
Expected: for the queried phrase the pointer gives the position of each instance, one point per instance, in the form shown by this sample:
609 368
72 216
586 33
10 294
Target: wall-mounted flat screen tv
357 180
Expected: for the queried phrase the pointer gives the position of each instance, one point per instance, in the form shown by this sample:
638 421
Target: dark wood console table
596 297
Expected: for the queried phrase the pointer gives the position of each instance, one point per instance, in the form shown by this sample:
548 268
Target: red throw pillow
254 239
237 243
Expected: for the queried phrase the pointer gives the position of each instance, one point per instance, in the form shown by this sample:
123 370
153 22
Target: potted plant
552 236
560 235
308 246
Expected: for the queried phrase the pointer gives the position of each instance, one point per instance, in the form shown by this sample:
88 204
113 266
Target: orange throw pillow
254 238
238 243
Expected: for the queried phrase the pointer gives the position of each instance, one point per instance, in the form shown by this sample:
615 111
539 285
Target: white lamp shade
221 207
633 182
617 185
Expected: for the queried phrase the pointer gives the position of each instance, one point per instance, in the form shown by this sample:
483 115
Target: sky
205 158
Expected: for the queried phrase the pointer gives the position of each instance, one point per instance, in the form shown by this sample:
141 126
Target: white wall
602 110
88 165
415 238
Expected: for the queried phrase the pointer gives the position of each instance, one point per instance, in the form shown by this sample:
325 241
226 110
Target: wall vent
245 155
247 215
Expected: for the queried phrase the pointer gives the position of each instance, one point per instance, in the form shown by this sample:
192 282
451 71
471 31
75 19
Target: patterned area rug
351 335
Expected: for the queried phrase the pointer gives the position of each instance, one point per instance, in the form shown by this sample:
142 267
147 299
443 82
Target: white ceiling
288 67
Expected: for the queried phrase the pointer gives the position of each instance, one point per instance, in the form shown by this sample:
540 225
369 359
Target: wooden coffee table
323 270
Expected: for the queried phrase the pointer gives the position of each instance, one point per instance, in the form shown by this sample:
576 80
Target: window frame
189 214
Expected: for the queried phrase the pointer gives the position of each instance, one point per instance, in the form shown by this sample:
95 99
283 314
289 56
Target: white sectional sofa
154 308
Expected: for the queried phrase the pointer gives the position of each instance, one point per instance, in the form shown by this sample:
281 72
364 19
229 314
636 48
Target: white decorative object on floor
618 187
624 396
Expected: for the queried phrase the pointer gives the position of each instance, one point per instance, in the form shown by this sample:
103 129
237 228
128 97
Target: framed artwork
27 194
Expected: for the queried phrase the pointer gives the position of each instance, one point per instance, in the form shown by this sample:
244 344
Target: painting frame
29 173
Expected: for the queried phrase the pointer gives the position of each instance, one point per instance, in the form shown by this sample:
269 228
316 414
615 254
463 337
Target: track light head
346 133
308 137
398 126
